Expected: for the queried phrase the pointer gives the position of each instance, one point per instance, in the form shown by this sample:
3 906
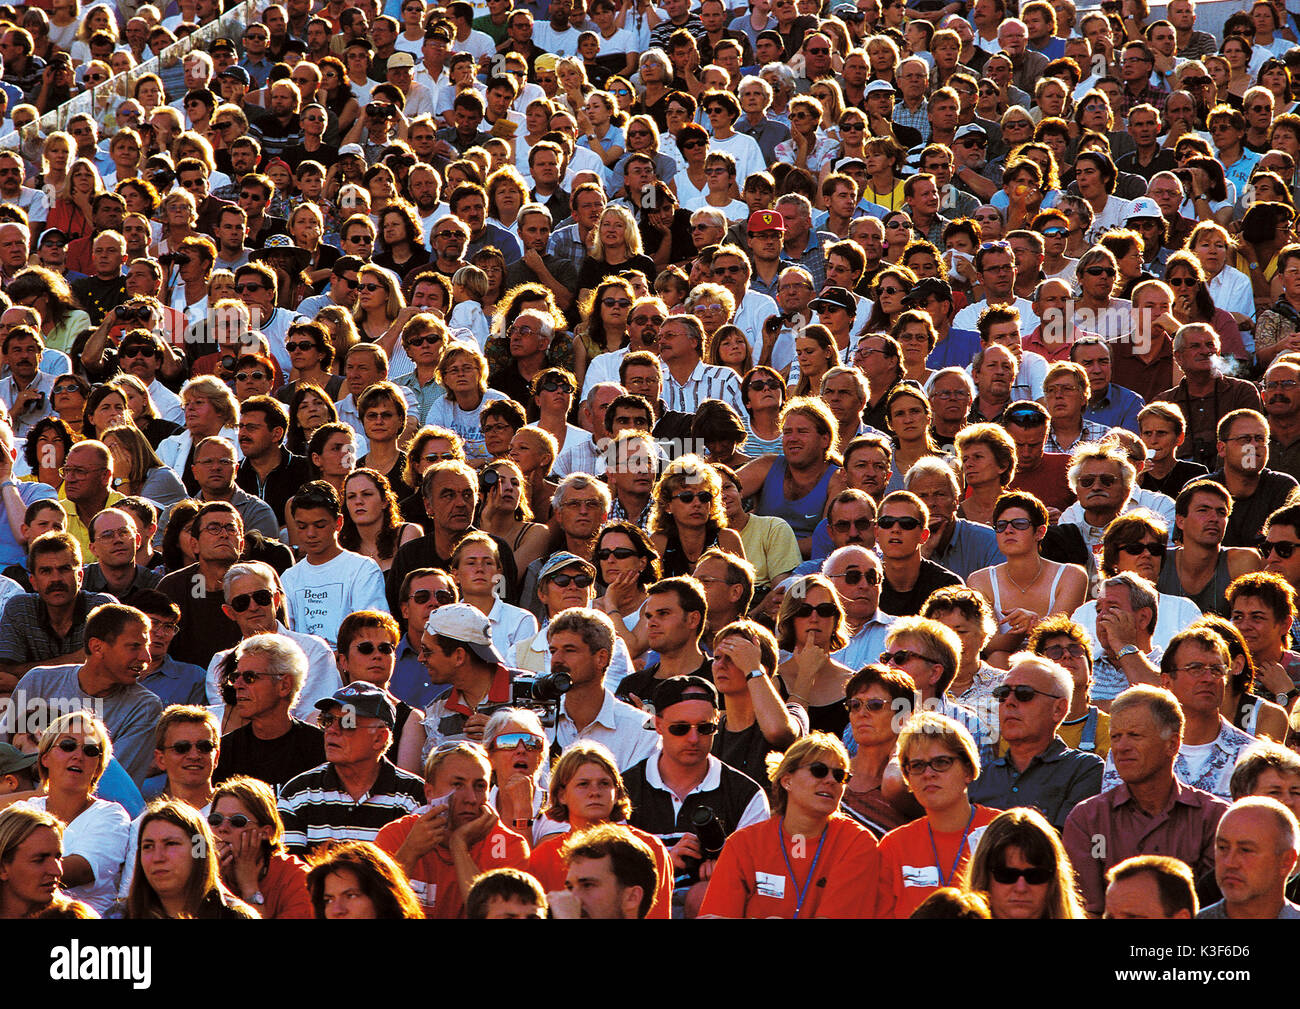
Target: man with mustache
101 674
1282 405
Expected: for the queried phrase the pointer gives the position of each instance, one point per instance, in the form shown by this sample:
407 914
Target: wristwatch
1282 699
1126 651
258 899
754 674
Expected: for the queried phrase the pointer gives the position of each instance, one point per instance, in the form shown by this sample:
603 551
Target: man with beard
1256 490
280 128
850 520
47 627
115 656
425 187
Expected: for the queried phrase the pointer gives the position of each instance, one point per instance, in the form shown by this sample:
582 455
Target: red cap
766 220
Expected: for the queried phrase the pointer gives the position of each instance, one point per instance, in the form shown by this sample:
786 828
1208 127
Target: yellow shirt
77 529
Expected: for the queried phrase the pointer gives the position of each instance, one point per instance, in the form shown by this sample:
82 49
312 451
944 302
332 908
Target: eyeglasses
686 496
71 746
249 288
620 553
763 384
1137 549
72 386
582 580
510 740
1002 525
824 610
1196 670
77 472
301 345
907 523
856 704
853 576
441 596
1250 439
1285 383
1099 271
1181 281
1022 692
853 127
416 342
1058 652
370 286
369 647
684 728
616 302
184 746
1008 876
1284 549
448 233
973 142
819 769
138 350
1106 479
251 676
937 764
860 525
252 195
724 271
237 820
328 720
1054 232
221 529
646 320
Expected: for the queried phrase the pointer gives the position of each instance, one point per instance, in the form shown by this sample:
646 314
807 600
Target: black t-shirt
747 749
1183 473
274 761
1250 513
644 683
908 604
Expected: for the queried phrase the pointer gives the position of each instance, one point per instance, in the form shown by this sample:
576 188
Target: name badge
920 875
769 884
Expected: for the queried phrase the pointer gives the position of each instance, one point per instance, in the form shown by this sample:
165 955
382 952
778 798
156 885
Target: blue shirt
955 351
11 552
116 786
1055 781
177 682
973 546
865 646
1119 408
502 239
410 681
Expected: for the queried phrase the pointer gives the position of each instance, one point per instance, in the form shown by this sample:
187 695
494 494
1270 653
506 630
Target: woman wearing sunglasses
876 695
891 284
367 651
810 625
553 390
808 859
516 747
586 789
898 234
1022 869
1026 587
250 850
504 511
687 516
71 757
604 327
627 564
939 760
1186 273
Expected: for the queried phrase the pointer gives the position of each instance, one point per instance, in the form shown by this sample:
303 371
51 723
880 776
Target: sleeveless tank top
675 562
803 513
1004 627
1211 599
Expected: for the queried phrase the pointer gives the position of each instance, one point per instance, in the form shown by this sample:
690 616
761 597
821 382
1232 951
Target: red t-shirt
1048 481
546 864
908 873
752 880
434 879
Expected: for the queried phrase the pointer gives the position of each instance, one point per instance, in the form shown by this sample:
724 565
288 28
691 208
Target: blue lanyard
801 894
943 881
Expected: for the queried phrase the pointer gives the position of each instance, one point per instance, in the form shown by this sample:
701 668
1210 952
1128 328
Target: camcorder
540 692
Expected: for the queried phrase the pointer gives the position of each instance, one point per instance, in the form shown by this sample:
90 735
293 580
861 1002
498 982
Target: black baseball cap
684 688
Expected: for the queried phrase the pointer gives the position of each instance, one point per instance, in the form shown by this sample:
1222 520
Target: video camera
539 691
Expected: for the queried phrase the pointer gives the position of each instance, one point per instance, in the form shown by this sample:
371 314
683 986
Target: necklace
1024 589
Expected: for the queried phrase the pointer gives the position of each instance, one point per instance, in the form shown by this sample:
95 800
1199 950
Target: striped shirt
707 381
316 808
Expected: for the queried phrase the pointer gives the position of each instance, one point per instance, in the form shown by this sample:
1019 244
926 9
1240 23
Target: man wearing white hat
457 648
399 72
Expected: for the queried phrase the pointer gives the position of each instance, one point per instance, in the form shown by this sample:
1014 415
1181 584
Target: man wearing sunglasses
683 779
857 575
421 592
342 290
1037 769
909 578
1280 549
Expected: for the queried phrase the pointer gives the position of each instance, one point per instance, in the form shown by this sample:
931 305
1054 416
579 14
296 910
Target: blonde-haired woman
71 757
250 849
713 305
687 516
145 414
586 790
210 409
616 249
31 864
138 470
818 862
1021 867
507 193
98 18
939 760
177 873
504 511
77 185
810 625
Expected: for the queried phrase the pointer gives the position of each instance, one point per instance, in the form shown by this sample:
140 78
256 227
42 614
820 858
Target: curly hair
390 521
687 469
379 876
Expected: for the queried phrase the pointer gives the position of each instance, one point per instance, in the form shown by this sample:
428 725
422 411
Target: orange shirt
546 864
285 888
751 879
434 879
908 873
